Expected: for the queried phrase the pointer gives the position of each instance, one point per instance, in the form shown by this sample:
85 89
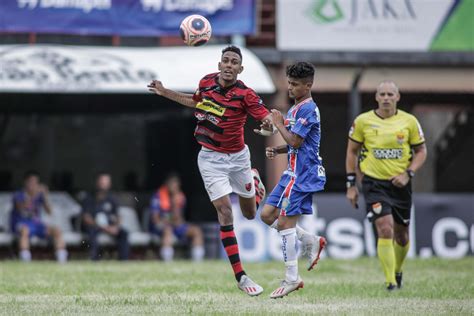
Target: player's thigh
240 175
215 174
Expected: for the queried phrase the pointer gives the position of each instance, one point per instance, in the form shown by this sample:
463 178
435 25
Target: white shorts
226 173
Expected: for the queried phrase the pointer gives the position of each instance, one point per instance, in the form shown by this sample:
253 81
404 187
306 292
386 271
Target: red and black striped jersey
221 113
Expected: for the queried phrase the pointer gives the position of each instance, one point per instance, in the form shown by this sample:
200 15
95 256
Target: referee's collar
383 118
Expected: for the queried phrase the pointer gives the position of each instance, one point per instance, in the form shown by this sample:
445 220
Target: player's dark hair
300 70
171 175
31 173
101 173
234 49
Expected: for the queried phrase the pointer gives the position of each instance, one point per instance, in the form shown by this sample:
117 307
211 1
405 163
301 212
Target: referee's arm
419 157
352 193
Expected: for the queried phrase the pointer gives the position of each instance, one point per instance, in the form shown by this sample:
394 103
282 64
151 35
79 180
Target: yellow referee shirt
386 143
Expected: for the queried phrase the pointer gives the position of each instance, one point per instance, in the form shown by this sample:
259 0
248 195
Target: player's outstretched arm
185 99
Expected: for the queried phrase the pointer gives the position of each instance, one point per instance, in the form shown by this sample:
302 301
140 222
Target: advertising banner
124 17
87 69
375 25
441 225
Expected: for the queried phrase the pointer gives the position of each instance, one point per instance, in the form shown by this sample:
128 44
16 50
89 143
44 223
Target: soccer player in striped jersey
221 104
305 175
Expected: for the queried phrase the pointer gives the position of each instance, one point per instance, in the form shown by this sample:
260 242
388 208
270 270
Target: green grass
432 287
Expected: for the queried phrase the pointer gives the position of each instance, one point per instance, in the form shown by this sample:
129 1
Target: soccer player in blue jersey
305 175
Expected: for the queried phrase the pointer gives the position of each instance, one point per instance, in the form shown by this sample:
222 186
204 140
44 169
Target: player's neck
301 99
224 83
386 113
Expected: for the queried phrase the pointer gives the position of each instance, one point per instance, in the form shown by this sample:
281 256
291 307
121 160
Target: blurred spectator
26 217
167 220
100 215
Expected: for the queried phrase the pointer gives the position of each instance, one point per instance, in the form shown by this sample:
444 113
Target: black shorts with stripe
383 198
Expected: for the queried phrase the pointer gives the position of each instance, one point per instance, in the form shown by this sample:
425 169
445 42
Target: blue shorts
179 231
291 202
35 227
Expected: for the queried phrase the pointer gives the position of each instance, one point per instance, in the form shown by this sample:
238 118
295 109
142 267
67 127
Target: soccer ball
195 30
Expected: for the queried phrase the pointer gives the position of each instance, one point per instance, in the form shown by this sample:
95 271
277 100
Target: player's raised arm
292 139
185 99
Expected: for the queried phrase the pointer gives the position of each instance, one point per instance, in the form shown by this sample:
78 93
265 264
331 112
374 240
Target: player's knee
24 231
401 239
385 231
266 218
250 214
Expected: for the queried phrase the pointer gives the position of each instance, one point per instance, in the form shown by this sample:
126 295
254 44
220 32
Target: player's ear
219 66
241 69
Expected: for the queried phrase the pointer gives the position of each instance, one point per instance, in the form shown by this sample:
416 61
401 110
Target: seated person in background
26 221
167 206
100 215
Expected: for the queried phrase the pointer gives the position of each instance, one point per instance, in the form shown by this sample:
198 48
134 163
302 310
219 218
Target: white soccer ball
195 30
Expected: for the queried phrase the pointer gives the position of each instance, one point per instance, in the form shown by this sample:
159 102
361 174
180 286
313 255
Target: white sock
197 253
167 253
288 237
300 232
61 255
25 255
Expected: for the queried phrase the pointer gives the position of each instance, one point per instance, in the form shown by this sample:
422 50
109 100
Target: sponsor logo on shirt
211 118
387 153
211 107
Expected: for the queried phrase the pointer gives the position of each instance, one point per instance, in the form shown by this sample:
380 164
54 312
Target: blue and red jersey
305 172
221 113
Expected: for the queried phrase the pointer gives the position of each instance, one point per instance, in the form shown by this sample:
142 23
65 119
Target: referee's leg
385 250
401 246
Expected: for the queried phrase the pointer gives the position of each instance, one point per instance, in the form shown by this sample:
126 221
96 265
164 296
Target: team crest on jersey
377 207
303 121
211 107
200 116
248 186
400 137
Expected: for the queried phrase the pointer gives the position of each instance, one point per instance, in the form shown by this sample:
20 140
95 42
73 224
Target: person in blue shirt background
167 220
26 217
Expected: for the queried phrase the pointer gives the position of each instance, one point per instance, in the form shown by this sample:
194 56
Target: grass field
432 287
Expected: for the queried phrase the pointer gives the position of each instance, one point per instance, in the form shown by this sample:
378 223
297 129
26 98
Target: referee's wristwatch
410 173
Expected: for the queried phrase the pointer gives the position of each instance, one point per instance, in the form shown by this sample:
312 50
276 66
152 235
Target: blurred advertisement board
124 17
87 69
375 25
442 225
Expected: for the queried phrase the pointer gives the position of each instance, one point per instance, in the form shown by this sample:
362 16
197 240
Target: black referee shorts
383 198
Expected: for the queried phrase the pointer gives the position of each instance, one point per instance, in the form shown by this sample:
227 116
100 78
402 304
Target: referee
388 145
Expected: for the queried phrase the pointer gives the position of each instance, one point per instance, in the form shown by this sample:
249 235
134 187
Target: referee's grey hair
388 82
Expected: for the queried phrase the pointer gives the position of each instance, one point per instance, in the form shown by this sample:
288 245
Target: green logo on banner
326 11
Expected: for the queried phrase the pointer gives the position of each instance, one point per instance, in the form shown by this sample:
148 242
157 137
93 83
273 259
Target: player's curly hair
234 49
300 70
